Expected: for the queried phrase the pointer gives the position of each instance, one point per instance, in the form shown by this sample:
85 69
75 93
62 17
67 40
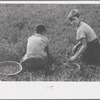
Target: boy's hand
72 59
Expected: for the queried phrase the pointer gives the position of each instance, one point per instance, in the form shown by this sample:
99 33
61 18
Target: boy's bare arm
76 47
81 50
47 50
83 47
78 44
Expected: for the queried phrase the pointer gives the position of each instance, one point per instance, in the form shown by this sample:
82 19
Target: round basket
10 67
74 65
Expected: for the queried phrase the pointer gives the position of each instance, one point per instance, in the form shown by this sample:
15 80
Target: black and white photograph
49 50
50 42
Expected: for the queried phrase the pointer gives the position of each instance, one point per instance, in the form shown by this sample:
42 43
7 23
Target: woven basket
10 67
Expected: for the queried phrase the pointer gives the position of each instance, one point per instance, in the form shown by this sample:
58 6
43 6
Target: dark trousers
92 53
35 64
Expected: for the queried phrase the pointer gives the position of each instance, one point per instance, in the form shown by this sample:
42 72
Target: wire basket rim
71 64
12 62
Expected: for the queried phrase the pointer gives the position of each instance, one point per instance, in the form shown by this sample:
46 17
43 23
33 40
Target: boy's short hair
40 28
73 13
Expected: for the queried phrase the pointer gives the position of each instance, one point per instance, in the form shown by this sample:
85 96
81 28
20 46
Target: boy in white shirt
37 54
87 45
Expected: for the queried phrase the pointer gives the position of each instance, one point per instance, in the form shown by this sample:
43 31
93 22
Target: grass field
17 23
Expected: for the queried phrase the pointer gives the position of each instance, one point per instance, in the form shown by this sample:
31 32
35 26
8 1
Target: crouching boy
37 54
87 45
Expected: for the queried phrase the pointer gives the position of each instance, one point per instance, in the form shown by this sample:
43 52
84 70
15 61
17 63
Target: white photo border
43 90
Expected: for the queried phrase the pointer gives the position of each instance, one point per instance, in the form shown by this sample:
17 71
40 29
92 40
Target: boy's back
35 46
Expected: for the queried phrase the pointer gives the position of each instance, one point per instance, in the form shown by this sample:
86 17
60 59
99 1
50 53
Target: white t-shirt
35 47
85 31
